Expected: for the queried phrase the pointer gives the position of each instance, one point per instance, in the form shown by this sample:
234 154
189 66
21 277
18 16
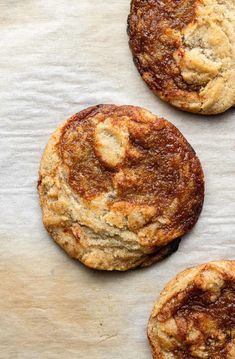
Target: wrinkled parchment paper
56 58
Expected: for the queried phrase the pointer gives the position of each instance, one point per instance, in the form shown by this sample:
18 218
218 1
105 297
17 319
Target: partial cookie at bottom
195 314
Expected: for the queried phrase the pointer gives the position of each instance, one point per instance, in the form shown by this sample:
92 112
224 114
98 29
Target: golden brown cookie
118 186
195 315
185 51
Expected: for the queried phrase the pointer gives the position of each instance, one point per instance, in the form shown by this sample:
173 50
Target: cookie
119 186
195 315
185 51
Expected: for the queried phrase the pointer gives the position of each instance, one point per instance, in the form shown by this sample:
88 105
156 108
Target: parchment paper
56 58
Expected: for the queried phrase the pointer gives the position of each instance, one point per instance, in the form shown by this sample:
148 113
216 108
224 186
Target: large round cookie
185 51
118 187
195 315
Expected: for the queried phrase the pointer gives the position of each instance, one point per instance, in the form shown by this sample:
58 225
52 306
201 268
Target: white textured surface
56 58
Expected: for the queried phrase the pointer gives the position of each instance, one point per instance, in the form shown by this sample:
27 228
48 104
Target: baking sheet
56 58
